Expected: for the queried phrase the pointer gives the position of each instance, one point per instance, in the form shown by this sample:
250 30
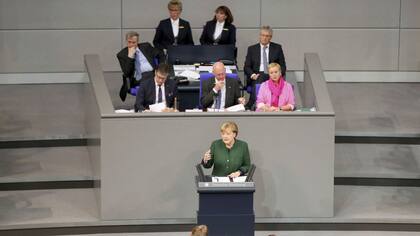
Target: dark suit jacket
164 35
147 94
232 92
228 34
253 59
127 63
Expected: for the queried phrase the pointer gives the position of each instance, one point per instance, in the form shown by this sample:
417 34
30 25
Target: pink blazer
286 97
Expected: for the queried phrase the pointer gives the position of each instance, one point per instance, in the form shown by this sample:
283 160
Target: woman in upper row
220 30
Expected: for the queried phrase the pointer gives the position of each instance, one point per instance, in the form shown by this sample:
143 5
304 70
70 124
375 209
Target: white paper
220 179
193 110
239 107
183 67
215 110
190 74
205 68
239 179
158 107
124 111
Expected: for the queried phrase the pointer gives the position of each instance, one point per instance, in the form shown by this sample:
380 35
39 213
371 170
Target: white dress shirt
218 30
157 92
261 51
175 27
222 99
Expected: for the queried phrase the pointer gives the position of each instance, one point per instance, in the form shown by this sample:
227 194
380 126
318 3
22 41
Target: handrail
97 81
315 87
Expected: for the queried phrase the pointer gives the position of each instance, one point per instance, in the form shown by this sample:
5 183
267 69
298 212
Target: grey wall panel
290 181
246 13
339 49
410 50
56 50
245 38
147 14
331 13
59 14
146 35
143 13
410 17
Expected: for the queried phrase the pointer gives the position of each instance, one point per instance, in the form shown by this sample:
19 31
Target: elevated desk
143 162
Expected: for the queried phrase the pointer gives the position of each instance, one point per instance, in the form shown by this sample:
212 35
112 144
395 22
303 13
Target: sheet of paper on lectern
158 107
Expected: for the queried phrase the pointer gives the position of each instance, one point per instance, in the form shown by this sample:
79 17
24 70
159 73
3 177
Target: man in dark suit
220 92
137 62
258 57
174 30
157 90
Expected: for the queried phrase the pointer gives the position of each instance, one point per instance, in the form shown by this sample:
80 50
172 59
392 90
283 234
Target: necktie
160 94
137 65
265 62
218 100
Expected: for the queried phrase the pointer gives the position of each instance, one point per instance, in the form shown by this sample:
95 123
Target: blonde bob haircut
229 125
273 65
199 230
175 3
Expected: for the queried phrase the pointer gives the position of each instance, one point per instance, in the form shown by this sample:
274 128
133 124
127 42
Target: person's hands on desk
241 100
234 174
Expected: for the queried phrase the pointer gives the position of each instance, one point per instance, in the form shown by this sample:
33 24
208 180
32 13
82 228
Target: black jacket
233 92
147 94
164 35
228 34
253 59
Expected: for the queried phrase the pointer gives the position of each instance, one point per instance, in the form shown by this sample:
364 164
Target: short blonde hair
199 230
229 125
273 65
175 3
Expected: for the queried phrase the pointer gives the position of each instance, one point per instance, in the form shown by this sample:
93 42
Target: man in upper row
174 30
258 57
137 61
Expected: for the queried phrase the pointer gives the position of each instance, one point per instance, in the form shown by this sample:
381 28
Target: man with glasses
157 90
258 57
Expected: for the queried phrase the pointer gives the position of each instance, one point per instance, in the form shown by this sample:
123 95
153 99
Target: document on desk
224 179
157 107
190 74
220 179
239 107
183 67
239 179
124 111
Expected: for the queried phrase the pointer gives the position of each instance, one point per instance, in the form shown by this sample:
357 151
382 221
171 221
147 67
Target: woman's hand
234 174
207 156
274 109
286 108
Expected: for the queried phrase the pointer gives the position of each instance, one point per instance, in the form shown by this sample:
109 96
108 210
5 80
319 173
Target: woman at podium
228 156
276 93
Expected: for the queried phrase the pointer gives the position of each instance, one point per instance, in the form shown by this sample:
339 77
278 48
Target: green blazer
226 161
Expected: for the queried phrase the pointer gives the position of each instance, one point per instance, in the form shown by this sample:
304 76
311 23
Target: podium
226 208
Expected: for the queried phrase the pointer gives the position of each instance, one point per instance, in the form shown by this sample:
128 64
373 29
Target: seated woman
275 94
220 30
229 155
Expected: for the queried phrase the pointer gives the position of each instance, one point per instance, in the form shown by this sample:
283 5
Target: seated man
258 57
157 90
220 92
137 62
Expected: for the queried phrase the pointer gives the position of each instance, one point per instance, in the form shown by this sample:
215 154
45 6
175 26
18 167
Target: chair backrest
257 89
133 91
206 76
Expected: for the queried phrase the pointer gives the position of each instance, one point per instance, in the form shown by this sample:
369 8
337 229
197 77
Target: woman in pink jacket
275 94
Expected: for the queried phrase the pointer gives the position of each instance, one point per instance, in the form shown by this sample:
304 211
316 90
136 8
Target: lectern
226 208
